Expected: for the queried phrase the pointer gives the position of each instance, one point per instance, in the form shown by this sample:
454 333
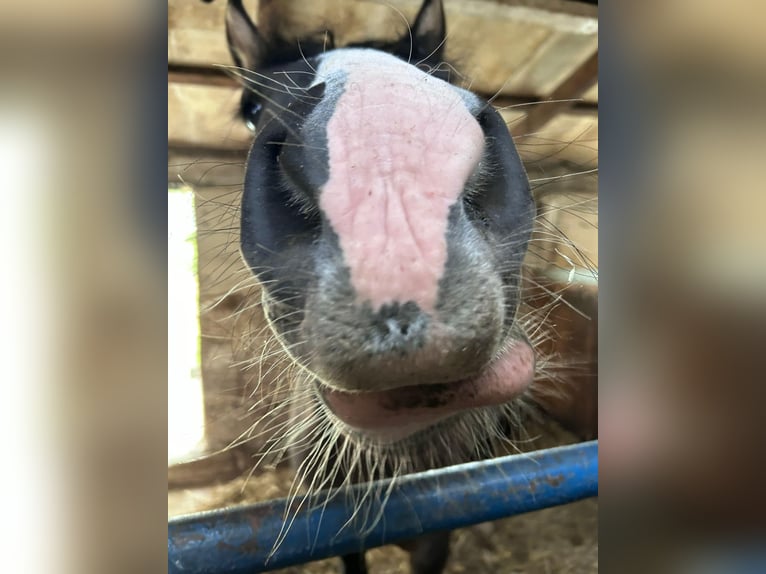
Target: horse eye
250 112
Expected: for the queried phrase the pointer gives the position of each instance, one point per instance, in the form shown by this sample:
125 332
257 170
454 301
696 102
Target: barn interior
538 62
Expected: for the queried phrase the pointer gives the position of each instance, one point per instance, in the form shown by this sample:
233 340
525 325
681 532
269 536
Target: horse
386 215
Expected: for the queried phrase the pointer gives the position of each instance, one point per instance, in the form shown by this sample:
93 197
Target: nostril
398 327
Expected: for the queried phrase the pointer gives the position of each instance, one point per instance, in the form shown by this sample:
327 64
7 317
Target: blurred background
683 305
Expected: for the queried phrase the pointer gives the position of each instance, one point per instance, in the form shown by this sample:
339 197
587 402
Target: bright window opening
186 421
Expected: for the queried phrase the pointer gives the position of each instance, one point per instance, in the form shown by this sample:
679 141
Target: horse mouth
396 414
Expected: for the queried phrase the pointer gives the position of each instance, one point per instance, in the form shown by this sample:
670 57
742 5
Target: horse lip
401 411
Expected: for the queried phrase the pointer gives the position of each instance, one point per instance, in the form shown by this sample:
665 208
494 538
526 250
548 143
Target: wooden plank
200 167
574 256
542 70
564 246
558 6
221 268
564 95
196 32
209 469
205 116
200 75
571 136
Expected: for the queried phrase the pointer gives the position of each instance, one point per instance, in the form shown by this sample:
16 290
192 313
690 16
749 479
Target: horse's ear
246 44
429 33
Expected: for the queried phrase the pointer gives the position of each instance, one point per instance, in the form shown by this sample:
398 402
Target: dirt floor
559 540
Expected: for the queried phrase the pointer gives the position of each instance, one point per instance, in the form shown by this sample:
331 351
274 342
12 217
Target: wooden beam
205 116
210 469
566 95
206 167
570 136
200 75
570 7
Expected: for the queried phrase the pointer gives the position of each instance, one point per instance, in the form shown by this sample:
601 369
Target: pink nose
401 147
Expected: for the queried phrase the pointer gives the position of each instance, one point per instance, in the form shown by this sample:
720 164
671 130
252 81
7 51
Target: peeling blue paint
240 540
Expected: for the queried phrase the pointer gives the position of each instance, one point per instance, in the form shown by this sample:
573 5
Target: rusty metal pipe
242 540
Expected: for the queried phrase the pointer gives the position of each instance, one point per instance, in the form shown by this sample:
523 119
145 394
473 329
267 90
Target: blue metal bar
240 540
